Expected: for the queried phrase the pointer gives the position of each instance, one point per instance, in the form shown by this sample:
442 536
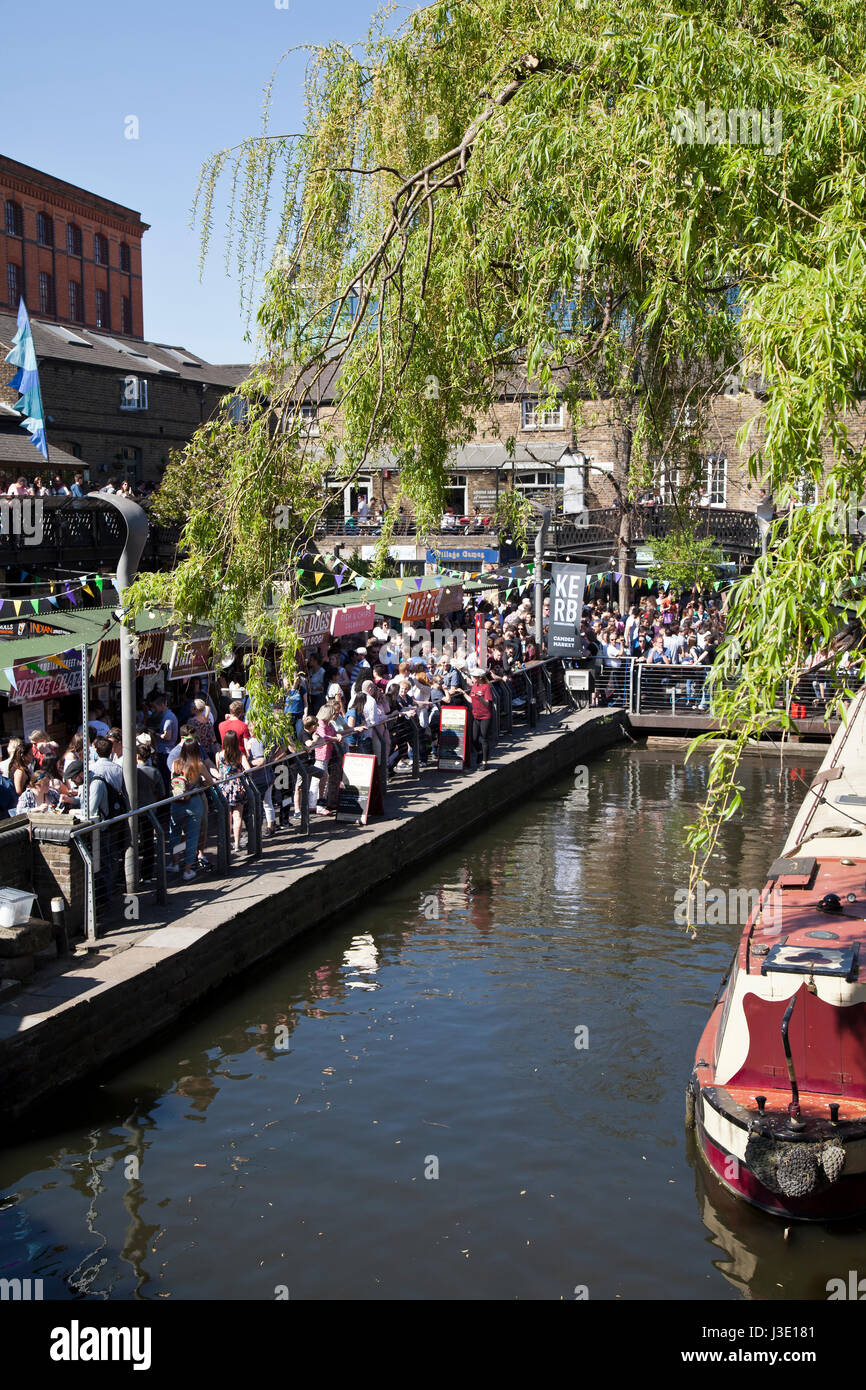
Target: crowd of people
351 698
58 485
658 632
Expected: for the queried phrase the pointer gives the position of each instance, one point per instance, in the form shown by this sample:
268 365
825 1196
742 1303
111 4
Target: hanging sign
360 789
49 678
313 626
359 617
452 737
421 607
193 658
451 599
148 660
566 609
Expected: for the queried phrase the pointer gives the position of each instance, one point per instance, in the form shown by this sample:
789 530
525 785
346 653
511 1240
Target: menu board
452 737
360 789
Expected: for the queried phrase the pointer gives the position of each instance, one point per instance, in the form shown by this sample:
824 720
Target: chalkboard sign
452 736
360 789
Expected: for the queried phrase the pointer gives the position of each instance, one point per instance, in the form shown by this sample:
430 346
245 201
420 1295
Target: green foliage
506 183
513 515
686 559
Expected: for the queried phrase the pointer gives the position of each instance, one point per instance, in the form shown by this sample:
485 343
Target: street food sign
360 789
148 657
360 617
49 678
421 607
566 609
194 658
312 626
31 627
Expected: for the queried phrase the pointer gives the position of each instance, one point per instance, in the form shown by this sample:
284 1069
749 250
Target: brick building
117 404
552 447
73 256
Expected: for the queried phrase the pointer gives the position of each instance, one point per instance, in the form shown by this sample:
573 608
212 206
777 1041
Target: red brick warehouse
73 256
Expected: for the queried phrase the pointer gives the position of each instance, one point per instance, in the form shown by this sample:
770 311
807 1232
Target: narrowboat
777 1097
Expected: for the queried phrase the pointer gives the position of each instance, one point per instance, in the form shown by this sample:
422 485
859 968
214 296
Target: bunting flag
26 382
318 576
99 582
418 583
399 583
359 581
17 606
9 673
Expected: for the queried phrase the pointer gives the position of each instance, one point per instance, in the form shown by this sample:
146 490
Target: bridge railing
643 687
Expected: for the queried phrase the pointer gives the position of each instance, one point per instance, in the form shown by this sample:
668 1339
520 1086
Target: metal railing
521 695
643 687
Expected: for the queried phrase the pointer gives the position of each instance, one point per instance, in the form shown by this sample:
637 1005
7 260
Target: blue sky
193 75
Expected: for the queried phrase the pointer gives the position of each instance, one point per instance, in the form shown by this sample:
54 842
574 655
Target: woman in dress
230 763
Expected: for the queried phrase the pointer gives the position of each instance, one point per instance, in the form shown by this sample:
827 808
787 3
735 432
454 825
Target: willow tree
582 188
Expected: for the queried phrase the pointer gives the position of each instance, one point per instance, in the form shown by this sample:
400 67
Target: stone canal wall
67 1025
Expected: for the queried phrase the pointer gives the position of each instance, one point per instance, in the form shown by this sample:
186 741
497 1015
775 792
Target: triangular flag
318 576
9 673
359 582
399 583
418 583
17 606
617 578
34 604
52 599
99 582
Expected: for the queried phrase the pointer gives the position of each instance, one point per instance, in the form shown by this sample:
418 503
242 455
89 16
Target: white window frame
133 393
534 419
458 482
714 480
666 481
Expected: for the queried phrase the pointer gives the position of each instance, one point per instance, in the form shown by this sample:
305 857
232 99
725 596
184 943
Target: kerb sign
567 586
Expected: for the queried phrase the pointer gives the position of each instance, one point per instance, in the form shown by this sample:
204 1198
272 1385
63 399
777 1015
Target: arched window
73 240
100 249
125 263
44 229
14 219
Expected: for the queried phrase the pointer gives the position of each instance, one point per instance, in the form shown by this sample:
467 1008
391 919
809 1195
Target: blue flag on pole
26 380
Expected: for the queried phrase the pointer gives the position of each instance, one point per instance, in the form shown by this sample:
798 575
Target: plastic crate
15 906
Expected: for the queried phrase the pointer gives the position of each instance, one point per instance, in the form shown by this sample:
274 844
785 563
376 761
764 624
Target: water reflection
280 1136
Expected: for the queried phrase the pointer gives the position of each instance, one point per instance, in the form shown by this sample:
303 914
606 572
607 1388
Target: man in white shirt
449 520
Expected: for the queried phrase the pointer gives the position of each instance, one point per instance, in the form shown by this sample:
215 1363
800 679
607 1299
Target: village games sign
566 609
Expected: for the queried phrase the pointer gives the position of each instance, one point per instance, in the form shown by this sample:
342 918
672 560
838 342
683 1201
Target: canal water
473 1087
